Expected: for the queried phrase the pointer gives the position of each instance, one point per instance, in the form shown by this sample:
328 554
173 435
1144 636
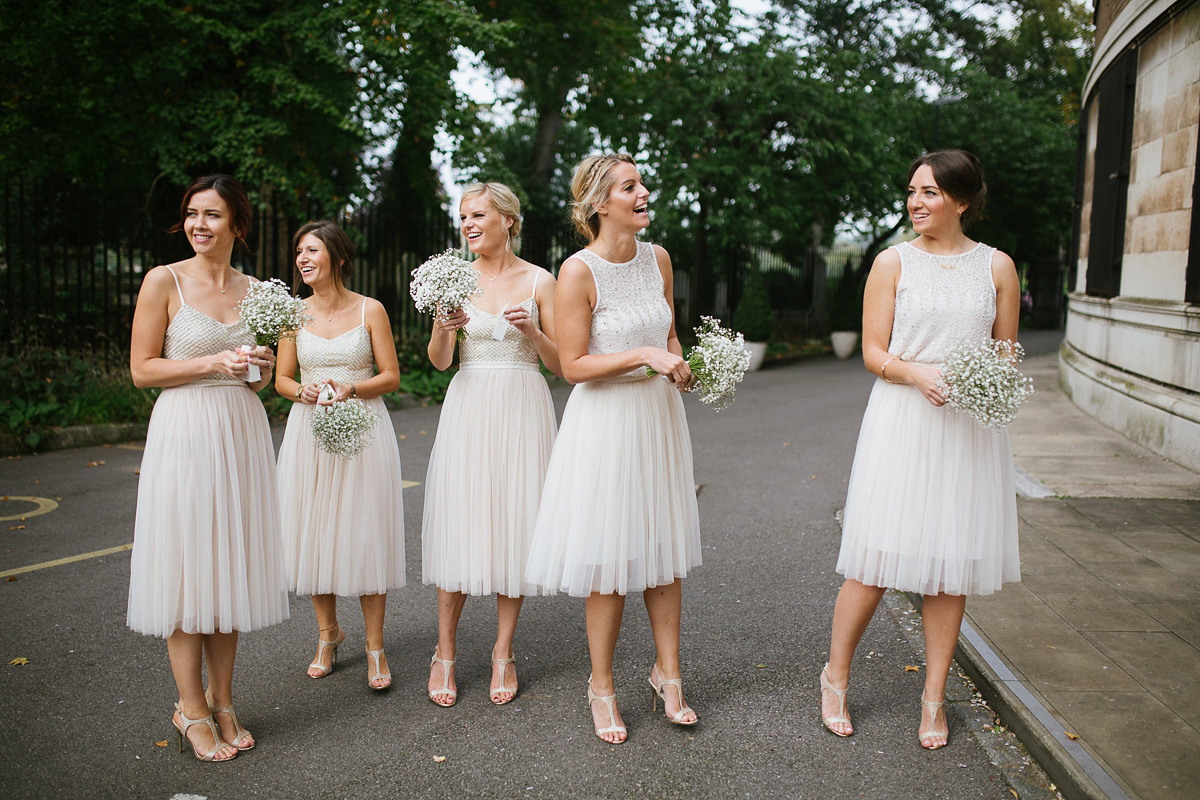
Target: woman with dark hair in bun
931 506
343 519
206 561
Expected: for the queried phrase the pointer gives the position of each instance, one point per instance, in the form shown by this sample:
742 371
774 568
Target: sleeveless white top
481 349
192 334
348 358
942 302
631 310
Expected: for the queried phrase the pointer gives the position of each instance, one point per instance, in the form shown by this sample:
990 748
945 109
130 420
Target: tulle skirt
932 504
618 511
206 552
486 470
343 519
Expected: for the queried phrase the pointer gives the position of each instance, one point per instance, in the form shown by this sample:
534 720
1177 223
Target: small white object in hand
326 394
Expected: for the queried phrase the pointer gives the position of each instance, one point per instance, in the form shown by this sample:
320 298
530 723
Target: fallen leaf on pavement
163 743
439 759
16 527
10 579
911 668
95 463
20 661
1071 736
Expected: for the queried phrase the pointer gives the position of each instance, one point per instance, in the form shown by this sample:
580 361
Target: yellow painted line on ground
58 562
44 506
409 484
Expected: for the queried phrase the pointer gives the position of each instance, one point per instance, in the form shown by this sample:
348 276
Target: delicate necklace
497 275
331 314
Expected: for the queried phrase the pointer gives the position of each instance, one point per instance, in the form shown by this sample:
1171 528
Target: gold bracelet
299 390
883 369
353 390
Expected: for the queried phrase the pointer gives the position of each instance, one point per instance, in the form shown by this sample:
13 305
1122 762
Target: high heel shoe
612 715
380 675
932 736
841 718
185 724
316 669
242 734
447 665
658 688
502 689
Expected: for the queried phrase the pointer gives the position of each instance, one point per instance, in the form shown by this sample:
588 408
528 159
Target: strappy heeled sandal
242 734
185 724
930 736
379 675
659 693
502 689
322 646
447 665
612 716
842 718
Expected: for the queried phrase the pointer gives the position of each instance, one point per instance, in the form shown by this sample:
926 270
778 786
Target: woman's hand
230 362
451 322
522 319
262 357
674 368
341 391
926 380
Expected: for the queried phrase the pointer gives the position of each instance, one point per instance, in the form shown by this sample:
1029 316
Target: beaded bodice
480 346
192 334
348 358
631 310
942 302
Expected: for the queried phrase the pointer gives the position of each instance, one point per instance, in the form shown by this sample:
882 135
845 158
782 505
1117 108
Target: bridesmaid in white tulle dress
206 562
493 440
618 511
931 506
343 519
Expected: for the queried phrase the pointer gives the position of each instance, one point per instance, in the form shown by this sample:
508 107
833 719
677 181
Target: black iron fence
72 261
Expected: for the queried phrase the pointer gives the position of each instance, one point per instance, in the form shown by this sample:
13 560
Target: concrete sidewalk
1094 659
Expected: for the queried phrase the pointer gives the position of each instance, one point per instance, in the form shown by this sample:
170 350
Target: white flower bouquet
344 429
271 312
719 361
443 283
982 379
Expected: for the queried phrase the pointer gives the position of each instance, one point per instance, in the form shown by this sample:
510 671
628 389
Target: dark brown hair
960 175
337 244
241 213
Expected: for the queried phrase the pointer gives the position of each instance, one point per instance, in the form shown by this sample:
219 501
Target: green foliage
846 305
753 318
418 377
45 388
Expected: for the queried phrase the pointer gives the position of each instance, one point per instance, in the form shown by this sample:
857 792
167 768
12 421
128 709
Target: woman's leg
374 607
325 606
856 604
186 651
220 650
941 616
604 613
508 609
664 604
441 678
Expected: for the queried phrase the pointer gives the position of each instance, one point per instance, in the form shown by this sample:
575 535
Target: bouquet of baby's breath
270 312
719 360
982 379
443 283
343 429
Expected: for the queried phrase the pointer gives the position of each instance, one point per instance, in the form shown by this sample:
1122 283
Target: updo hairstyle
958 174
590 187
503 199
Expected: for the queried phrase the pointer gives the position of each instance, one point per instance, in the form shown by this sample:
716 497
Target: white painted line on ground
58 562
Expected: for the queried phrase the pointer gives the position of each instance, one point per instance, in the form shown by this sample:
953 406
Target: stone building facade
1131 356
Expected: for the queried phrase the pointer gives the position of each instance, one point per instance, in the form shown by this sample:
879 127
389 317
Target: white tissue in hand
253 374
502 324
326 394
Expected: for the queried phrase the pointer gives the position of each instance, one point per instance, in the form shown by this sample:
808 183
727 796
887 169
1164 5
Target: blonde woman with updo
493 440
618 511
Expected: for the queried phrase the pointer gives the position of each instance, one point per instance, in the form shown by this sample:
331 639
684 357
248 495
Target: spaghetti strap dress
489 458
931 506
618 511
343 519
206 551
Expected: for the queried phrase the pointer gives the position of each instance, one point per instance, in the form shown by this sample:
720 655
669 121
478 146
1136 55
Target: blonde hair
590 186
502 198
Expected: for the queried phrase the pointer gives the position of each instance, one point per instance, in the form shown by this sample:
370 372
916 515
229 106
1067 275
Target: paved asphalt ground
83 718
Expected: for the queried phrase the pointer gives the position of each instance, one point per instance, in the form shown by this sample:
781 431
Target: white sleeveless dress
343 519
206 552
931 506
494 438
618 511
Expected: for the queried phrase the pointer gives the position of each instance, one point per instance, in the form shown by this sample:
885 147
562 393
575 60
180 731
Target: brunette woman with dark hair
343 520
206 561
931 506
